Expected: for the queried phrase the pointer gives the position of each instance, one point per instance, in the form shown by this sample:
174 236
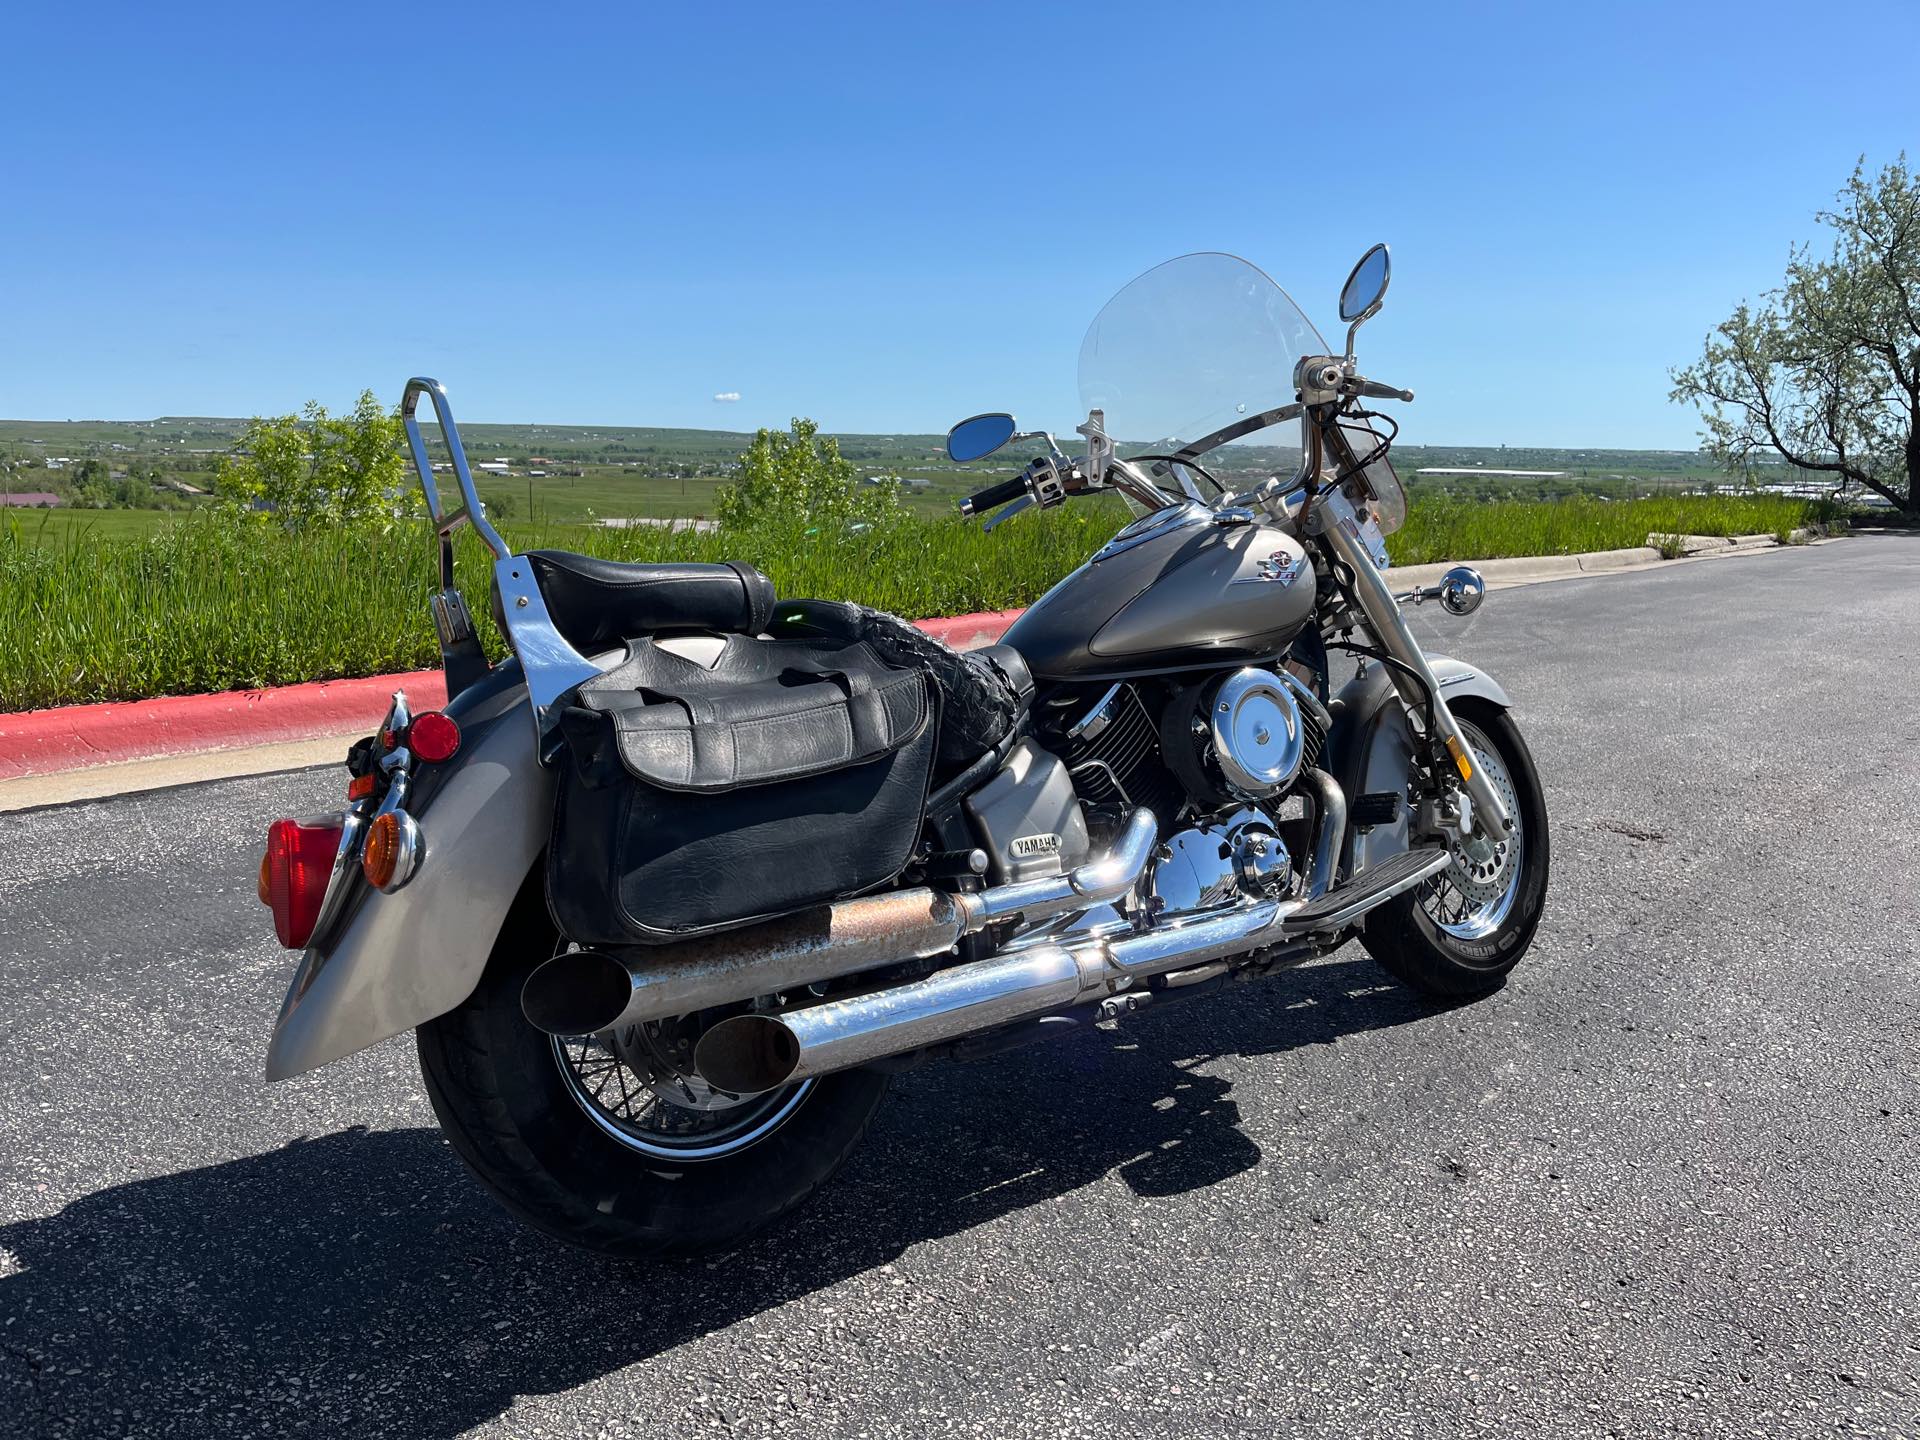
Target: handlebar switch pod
1045 483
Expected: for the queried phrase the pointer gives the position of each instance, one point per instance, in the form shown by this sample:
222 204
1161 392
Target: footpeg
1374 886
1377 807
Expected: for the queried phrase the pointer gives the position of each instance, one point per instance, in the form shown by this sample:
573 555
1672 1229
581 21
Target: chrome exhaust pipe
750 1053
1329 831
746 1054
585 991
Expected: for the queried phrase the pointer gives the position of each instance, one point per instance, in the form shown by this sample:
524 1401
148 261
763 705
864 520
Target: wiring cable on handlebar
1379 451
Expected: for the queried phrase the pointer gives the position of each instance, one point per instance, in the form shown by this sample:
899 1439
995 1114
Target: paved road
1665 1182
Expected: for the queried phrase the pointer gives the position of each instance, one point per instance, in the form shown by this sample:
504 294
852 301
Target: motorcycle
670 892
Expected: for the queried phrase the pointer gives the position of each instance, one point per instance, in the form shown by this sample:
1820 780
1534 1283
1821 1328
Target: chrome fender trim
1458 678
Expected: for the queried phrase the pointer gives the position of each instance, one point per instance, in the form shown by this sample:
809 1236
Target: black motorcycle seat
598 604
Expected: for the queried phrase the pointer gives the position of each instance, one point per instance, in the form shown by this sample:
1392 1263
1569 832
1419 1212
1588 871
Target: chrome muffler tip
747 1054
579 993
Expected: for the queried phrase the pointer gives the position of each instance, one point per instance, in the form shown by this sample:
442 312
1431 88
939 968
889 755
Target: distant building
42 499
1502 474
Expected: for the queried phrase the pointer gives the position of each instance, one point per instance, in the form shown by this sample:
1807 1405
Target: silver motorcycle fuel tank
1172 591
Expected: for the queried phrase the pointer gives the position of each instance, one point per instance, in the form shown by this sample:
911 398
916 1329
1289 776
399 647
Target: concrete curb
39 742
46 742
1528 569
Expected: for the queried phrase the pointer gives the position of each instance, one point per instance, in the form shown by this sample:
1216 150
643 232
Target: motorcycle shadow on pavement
360 1285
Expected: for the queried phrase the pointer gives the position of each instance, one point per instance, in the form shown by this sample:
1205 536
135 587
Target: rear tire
502 1102
1454 963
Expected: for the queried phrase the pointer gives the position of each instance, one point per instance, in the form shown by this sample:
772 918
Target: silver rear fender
401 959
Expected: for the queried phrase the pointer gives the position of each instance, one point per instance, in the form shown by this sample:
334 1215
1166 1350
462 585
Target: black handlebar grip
994 495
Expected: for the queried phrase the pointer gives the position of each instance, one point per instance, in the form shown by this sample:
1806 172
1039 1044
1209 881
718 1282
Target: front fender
1371 747
404 958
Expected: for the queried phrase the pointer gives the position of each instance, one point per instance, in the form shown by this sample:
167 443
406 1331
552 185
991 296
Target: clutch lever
1007 512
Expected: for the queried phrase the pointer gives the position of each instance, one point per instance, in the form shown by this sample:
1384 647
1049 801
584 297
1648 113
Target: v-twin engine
1247 735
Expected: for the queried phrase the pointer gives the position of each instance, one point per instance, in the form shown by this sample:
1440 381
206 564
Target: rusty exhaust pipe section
589 990
586 991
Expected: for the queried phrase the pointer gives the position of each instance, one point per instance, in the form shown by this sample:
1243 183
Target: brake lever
1007 512
1374 390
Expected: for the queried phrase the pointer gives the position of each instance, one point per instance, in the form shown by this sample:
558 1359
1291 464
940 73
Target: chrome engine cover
1258 738
1239 860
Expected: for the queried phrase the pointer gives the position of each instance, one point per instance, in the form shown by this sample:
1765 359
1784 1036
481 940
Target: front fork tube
1389 627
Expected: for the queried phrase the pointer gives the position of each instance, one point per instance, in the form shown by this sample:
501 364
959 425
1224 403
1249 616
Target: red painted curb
39 742
969 632
73 737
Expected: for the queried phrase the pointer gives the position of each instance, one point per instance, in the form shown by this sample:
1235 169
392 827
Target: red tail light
294 875
434 737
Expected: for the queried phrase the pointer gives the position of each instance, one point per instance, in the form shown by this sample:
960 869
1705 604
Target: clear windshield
1186 359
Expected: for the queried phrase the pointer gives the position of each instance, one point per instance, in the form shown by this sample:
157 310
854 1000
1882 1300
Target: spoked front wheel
608 1141
1459 934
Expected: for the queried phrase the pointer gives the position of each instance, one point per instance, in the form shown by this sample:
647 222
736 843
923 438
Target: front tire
1458 936
500 1090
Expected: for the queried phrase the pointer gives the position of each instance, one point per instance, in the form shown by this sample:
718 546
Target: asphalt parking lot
1666 1182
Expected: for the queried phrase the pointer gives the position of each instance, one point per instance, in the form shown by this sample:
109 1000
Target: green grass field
120 605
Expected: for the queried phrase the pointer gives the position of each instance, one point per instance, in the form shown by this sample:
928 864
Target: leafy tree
801 475
1826 371
319 468
91 482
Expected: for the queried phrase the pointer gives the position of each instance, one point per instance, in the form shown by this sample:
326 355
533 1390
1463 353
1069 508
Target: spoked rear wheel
1458 935
605 1141
637 1085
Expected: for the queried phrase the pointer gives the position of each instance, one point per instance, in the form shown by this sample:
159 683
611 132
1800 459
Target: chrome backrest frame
472 511
550 665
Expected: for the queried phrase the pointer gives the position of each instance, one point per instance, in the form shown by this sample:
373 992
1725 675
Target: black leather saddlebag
694 799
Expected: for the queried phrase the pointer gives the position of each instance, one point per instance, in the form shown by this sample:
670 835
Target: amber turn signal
382 853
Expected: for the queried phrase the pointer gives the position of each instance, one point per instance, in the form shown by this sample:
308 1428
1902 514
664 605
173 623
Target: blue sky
887 217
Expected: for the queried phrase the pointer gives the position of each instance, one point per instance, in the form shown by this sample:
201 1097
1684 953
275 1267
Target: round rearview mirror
1462 590
980 436
1367 286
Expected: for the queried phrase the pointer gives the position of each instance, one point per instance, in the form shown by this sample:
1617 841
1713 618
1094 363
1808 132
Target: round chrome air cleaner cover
1258 739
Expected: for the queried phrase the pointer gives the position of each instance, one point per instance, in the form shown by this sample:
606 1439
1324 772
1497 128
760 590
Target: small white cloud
726 397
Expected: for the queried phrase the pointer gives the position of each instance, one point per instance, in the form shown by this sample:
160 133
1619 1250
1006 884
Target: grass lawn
118 605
